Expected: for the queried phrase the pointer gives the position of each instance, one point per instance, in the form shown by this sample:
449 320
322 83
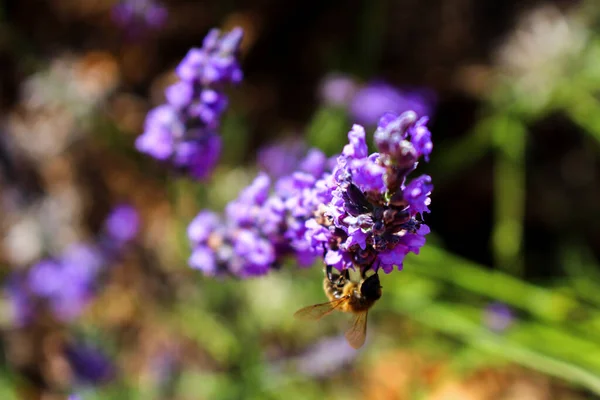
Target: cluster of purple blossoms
139 16
265 224
372 214
184 131
365 213
64 285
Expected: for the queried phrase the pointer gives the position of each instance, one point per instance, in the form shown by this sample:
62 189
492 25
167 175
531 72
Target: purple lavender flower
326 357
281 158
139 16
374 216
89 364
234 245
498 317
184 131
122 224
22 310
215 62
366 213
377 98
265 224
337 90
65 285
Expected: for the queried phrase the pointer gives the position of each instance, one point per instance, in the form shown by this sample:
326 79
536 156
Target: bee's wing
356 334
318 311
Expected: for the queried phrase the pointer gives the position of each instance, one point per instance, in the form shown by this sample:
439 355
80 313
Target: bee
347 296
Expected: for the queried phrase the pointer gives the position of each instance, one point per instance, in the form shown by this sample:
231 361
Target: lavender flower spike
376 98
366 213
184 132
89 364
64 285
139 16
374 214
264 225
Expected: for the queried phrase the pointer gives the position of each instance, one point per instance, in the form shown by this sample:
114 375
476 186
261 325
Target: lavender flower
139 16
365 213
89 364
184 131
281 158
122 224
235 245
265 224
64 285
498 317
22 310
326 357
377 98
320 361
337 90
373 217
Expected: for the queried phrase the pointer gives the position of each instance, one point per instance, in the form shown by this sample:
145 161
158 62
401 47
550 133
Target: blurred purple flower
215 63
377 98
22 310
89 364
162 127
45 278
66 284
337 90
281 158
326 357
122 224
139 16
498 317
184 131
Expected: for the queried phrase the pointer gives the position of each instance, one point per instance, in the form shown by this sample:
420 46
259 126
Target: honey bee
347 296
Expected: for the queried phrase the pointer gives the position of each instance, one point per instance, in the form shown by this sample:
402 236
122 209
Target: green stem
509 194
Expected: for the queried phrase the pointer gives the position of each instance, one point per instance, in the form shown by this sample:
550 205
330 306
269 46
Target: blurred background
502 303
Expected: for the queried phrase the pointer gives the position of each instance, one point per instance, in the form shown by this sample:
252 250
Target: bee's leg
346 274
328 272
